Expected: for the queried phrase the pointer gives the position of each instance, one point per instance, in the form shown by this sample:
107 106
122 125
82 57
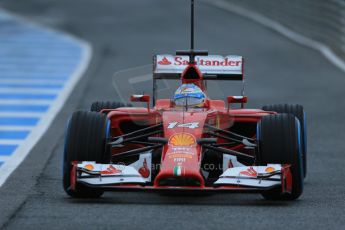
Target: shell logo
180 155
89 167
182 139
270 169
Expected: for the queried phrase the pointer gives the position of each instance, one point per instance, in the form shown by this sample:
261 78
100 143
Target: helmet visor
189 101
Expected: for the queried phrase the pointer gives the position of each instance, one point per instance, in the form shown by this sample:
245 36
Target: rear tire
98 106
279 137
297 111
86 138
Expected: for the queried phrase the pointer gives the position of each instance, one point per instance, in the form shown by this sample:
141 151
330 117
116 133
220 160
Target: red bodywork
182 149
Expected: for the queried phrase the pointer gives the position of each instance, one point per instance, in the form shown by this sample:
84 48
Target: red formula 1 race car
188 143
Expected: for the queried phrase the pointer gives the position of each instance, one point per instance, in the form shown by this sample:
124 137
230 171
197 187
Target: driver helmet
189 95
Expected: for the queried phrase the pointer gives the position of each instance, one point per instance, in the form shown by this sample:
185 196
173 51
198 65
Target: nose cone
181 155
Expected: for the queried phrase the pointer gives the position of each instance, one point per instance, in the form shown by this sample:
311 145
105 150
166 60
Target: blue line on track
18 121
24 108
7 150
28 96
31 58
38 86
22 76
32 76
15 135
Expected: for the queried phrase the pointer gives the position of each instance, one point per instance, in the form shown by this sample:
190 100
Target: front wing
116 177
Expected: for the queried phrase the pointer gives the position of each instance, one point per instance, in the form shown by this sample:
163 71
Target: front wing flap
115 176
107 174
255 176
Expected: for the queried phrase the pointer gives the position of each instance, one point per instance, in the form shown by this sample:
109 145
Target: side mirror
141 98
238 100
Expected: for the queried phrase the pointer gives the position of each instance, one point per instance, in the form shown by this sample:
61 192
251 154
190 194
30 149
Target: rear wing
213 67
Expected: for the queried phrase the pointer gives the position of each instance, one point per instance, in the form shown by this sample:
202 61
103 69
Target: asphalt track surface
126 34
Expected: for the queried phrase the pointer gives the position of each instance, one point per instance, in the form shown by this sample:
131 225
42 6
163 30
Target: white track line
21 114
4 158
294 36
22 151
27 90
16 128
10 142
24 102
31 81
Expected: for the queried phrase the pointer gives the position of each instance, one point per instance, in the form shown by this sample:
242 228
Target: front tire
297 111
279 137
86 138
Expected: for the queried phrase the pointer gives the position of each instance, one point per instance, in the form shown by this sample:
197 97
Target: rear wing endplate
213 67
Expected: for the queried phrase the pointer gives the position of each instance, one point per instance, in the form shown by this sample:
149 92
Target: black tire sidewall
279 137
299 113
84 131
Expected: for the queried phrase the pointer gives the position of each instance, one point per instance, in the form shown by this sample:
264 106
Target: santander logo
209 62
164 61
213 62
